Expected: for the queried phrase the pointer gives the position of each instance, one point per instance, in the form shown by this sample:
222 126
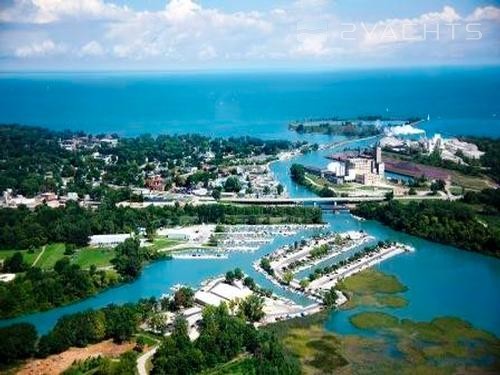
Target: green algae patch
372 281
446 342
391 301
374 320
319 352
443 346
373 288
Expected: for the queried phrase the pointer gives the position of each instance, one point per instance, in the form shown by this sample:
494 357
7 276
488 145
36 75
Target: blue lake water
441 280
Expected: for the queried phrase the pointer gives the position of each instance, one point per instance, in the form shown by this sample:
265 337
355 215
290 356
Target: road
333 200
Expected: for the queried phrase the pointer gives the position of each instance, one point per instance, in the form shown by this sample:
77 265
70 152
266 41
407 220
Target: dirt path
57 363
39 256
143 359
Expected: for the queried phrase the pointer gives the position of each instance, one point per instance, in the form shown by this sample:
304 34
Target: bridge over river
326 200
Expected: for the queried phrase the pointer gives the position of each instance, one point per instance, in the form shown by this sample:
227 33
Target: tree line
453 223
38 290
22 228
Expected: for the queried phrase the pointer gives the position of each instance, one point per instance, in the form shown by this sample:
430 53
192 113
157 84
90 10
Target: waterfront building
364 168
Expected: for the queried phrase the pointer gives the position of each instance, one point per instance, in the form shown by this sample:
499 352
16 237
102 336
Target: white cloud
43 48
92 48
207 53
409 30
489 13
177 10
47 11
311 44
185 31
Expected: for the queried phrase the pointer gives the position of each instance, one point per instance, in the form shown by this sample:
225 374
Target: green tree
216 194
298 173
15 263
129 258
18 342
183 297
287 277
330 298
232 184
238 273
251 308
230 277
304 283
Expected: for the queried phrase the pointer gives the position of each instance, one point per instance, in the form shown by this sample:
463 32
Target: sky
47 35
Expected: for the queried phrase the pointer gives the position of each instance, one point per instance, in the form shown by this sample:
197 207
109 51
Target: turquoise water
441 280
260 104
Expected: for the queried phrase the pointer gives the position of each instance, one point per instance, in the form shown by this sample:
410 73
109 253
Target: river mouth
438 277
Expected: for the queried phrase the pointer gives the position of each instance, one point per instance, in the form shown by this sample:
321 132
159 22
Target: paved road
329 200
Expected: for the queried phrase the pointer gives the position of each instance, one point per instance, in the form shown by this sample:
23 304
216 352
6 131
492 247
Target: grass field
84 257
162 243
471 182
100 257
50 256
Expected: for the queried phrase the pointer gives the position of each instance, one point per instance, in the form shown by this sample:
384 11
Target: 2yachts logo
387 32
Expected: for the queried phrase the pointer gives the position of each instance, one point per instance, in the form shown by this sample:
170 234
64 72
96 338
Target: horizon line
274 69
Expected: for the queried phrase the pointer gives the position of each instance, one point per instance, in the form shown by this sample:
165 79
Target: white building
108 240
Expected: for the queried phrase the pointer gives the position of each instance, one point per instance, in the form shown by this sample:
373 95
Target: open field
100 257
162 243
50 256
84 257
471 182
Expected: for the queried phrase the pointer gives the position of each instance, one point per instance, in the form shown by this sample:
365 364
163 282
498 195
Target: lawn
162 243
100 257
85 257
51 255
